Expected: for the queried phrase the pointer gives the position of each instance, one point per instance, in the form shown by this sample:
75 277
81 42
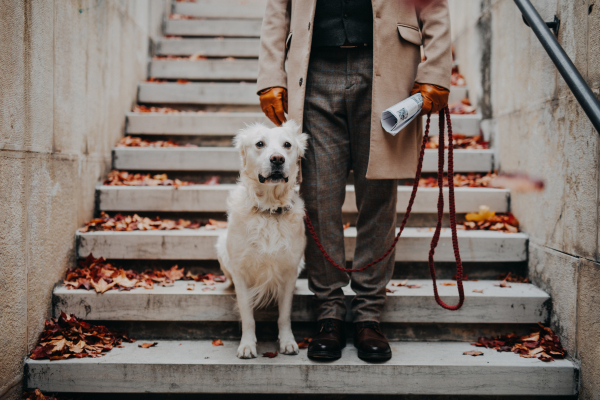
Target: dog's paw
247 350
289 347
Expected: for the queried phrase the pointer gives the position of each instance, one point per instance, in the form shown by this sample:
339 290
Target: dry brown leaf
414 286
102 286
68 336
449 284
270 354
217 342
38 395
403 283
473 353
147 345
541 344
478 290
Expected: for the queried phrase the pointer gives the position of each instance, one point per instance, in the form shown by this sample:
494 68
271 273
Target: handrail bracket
554 26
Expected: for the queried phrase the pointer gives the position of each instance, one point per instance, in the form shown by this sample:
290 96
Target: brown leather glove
274 103
435 97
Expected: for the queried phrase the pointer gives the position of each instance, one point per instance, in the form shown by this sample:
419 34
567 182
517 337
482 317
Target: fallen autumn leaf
68 336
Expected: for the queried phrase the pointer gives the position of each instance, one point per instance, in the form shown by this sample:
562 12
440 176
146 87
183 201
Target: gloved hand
274 103
435 97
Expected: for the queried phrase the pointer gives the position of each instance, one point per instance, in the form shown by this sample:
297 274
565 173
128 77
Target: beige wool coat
400 27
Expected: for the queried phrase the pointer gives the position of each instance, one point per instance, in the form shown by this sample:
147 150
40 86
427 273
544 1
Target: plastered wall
539 128
68 72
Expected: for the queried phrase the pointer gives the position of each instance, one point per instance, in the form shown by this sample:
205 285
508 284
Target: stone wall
68 72
538 127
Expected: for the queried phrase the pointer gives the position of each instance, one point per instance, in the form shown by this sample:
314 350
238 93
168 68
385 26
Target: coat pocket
410 33
288 41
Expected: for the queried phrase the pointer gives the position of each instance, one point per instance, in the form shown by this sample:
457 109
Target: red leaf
217 342
270 354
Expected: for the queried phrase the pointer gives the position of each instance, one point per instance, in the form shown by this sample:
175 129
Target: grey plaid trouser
337 116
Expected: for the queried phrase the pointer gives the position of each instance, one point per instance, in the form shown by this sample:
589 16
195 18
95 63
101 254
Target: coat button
300 82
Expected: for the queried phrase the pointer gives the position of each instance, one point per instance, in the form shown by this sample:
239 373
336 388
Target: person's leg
325 170
375 200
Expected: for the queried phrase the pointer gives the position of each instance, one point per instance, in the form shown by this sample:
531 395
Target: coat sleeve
434 21
272 53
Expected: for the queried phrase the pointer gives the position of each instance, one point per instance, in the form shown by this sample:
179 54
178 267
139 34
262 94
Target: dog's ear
301 138
244 139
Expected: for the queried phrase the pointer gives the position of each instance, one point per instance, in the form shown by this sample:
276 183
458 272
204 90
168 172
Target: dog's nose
277 159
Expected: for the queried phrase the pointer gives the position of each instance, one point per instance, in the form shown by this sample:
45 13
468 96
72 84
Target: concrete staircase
428 341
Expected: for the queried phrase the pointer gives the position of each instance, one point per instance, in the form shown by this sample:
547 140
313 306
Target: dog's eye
260 144
287 145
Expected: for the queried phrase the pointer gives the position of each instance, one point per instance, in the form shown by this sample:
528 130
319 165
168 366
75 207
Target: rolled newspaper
395 118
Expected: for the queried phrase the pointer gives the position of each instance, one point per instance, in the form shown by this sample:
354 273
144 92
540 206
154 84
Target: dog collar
278 210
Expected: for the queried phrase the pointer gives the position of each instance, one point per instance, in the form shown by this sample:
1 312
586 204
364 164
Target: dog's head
270 155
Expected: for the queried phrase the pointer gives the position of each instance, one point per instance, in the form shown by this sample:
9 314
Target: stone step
425 368
192 123
248 9
199 244
198 93
466 124
457 93
228 27
213 198
232 70
228 159
228 123
209 47
522 303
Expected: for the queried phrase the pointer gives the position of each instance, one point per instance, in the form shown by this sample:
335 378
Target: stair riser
198 93
464 124
209 47
523 303
249 9
229 124
199 367
268 331
199 245
214 199
201 124
228 159
402 270
205 69
215 27
457 93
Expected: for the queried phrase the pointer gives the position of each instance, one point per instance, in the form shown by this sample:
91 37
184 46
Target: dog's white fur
262 251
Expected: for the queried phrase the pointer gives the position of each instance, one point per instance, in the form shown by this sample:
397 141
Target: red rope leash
444 114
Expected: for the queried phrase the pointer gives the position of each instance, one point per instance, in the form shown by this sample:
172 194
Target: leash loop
443 116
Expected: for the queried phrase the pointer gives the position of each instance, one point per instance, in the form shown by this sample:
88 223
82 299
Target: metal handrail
563 63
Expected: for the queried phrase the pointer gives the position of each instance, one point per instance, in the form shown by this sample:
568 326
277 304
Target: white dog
262 251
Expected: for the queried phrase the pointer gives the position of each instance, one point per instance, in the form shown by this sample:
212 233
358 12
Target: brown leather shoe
370 342
328 343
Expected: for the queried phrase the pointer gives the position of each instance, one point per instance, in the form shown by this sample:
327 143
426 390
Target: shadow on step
236 396
267 331
402 270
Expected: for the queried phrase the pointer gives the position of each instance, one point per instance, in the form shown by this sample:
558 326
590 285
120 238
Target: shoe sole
374 357
325 355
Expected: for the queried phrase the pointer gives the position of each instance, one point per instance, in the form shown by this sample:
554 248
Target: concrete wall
68 72
539 128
